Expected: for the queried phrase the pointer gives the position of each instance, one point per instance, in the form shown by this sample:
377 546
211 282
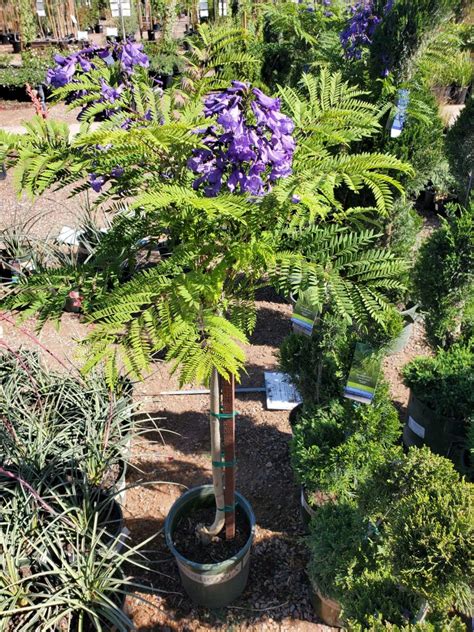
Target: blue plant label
401 113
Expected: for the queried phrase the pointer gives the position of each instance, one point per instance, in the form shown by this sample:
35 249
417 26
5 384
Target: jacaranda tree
225 184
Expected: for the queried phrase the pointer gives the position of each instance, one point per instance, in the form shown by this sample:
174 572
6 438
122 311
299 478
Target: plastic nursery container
328 610
443 435
210 585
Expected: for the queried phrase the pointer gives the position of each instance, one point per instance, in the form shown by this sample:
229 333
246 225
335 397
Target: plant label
364 373
304 315
281 393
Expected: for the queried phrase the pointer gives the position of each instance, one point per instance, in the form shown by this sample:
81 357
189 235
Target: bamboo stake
228 408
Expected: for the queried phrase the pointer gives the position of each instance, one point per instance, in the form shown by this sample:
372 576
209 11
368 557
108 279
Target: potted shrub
441 401
402 554
336 446
442 276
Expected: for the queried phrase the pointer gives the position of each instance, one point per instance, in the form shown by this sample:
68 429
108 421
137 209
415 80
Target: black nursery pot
210 585
294 416
443 435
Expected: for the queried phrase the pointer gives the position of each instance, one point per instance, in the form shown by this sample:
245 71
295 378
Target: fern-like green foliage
340 267
329 177
219 55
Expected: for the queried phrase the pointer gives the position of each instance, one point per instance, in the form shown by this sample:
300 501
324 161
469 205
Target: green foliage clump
402 228
429 528
442 277
445 382
319 365
294 37
32 70
405 545
460 149
336 446
400 34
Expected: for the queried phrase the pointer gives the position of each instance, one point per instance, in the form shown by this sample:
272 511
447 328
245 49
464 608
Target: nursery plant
401 555
442 277
441 402
222 183
337 445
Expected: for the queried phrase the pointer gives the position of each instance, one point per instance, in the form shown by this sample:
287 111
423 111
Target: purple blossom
360 28
131 54
109 93
117 172
250 147
96 182
295 198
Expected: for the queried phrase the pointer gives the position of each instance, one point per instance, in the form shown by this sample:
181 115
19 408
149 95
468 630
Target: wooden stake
228 423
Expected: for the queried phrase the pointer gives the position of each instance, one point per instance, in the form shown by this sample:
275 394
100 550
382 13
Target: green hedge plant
442 277
401 555
445 382
336 446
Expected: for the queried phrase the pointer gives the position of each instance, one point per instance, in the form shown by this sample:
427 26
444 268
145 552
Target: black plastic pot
151 35
294 415
98 28
16 46
210 585
443 435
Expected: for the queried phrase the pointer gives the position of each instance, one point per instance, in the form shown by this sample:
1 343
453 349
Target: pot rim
203 491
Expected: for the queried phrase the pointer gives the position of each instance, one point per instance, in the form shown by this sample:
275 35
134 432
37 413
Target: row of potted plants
64 445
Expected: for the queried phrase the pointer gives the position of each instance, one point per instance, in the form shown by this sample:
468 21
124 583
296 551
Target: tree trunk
217 472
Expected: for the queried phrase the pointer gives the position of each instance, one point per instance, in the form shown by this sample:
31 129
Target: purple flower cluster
360 29
129 54
250 147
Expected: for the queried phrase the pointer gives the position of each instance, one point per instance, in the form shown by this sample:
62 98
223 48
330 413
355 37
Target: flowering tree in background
360 28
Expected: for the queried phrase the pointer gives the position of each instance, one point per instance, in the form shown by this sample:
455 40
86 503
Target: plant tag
304 315
415 427
401 113
281 393
364 373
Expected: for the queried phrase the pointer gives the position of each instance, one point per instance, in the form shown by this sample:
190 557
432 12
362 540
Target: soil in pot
190 546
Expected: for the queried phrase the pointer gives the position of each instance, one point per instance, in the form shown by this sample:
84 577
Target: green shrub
428 531
460 149
442 277
319 365
407 542
444 383
398 37
402 229
336 446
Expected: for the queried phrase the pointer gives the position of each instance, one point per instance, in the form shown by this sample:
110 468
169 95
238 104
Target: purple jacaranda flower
295 199
327 3
360 28
131 54
117 172
109 93
96 182
328 14
246 153
61 75
266 101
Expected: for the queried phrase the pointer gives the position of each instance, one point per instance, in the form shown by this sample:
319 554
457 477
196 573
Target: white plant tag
416 427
